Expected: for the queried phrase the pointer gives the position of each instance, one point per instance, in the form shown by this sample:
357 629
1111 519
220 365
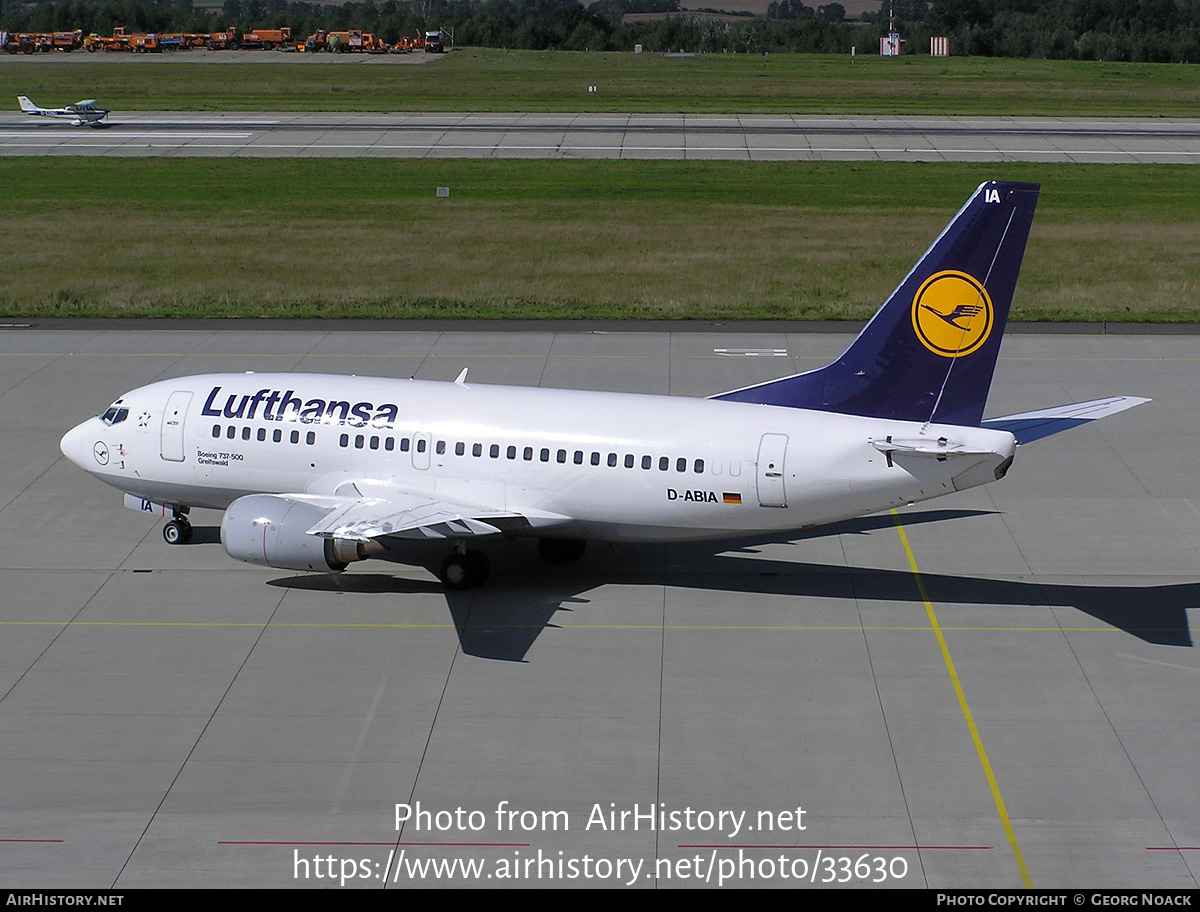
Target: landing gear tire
465 571
177 532
560 550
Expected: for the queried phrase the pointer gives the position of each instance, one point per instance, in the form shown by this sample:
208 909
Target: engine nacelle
271 530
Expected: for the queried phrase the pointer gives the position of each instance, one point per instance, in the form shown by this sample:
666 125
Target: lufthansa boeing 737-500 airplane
315 471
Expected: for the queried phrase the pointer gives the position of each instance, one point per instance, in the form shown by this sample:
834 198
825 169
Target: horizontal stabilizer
940 448
1030 426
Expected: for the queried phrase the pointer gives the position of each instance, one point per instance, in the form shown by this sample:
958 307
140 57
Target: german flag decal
731 498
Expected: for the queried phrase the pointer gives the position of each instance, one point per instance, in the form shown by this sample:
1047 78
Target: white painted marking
202 123
117 137
1122 655
752 352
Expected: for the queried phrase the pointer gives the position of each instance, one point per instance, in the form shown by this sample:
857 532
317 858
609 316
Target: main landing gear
178 531
465 570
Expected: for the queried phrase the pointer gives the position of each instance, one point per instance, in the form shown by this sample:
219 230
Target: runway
616 136
170 717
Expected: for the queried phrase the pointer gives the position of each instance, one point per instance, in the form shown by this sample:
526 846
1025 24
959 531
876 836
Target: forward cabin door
172 425
771 452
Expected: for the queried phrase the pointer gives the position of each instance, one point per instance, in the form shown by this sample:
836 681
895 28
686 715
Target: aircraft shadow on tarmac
502 619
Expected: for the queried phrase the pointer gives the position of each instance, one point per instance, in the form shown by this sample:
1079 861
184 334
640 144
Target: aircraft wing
418 515
1030 426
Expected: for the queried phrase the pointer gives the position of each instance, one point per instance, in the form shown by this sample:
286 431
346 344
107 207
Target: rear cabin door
771 452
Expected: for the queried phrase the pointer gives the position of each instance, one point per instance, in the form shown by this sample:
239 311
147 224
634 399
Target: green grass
681 240
493 80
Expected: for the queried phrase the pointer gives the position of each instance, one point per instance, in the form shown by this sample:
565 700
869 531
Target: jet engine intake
271 531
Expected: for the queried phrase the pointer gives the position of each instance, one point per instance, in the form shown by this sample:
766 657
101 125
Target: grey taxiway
743 137
170 717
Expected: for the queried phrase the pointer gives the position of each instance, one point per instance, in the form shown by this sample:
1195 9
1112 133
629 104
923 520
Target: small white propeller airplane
82 112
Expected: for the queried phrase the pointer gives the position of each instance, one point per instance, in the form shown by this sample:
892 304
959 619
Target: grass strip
564 239
497 80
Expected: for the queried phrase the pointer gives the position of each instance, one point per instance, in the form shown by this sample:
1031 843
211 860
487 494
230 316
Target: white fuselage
604 466
80 115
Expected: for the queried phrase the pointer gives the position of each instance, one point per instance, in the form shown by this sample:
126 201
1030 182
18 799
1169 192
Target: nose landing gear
178 531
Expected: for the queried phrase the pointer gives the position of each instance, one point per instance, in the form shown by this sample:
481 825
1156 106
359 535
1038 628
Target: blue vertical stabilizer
928 354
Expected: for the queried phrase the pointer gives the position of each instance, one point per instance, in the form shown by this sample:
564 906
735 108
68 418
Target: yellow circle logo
952 314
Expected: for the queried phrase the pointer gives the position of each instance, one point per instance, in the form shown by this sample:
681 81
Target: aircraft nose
72 443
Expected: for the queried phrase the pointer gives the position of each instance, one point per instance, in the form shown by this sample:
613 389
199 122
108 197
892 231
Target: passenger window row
389 443
527 454
231 433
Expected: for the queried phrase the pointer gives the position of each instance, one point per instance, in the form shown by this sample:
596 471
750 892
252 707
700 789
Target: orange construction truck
266 39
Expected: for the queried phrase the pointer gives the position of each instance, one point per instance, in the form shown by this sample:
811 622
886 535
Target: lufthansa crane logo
952 314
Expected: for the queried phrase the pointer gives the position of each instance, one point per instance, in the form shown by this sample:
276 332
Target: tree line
1135 30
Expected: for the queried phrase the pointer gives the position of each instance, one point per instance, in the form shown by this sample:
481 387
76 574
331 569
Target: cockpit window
114 415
